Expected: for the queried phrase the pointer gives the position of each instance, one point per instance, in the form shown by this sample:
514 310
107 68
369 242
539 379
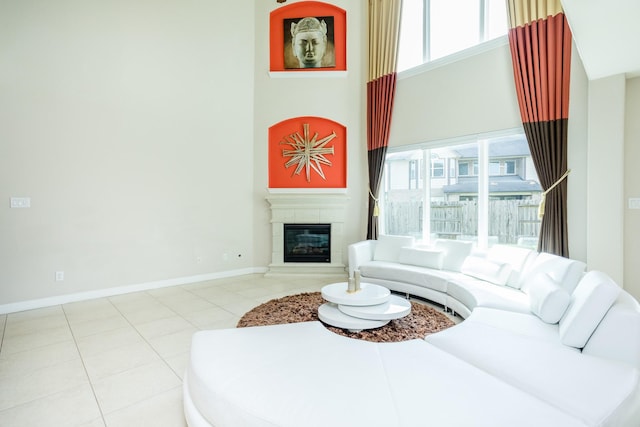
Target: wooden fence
509 220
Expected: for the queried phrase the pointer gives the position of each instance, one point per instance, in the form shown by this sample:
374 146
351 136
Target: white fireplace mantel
307 208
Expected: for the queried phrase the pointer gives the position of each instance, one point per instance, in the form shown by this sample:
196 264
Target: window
502 167
453 26
432 29
493 198
467 168
509 167
412 170
494 168
437 168
413 174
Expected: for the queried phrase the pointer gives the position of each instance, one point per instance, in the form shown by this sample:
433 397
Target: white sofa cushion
388 247
242 377
260 376
486 269
425 394
518 258
422 257
412 274
617 337
455 252
591 299
565 271
597 391
526 324
472 293
548 300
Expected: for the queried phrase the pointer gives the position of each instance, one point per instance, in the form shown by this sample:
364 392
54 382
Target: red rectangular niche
332 19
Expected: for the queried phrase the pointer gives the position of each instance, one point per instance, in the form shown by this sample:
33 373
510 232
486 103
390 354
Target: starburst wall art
307 152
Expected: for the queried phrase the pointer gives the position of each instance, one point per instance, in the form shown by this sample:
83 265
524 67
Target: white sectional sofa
453 274
543 343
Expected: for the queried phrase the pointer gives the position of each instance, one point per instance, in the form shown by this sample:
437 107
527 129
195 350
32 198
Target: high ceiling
607 35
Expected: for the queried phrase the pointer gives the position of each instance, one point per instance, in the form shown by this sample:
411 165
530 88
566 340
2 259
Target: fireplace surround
309 209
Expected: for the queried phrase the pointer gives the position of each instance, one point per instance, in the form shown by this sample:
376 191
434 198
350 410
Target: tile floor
118 361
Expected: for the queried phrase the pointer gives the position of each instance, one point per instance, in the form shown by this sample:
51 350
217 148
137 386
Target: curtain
540 43
384 29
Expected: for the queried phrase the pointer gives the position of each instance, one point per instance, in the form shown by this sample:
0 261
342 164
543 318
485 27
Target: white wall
577 136
605 181
129 124
632 187
341 99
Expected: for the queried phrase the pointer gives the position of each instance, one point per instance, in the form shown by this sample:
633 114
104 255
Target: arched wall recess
308 152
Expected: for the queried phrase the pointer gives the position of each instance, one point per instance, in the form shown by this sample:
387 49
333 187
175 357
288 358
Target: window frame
481 172
508 162
483 44
440 167
427 36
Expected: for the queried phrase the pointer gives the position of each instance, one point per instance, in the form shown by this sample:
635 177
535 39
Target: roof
497 184
515 146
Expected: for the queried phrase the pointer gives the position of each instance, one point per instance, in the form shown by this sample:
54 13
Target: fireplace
310 211
307 243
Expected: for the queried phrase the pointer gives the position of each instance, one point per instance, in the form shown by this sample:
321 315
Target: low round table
371 307
369 294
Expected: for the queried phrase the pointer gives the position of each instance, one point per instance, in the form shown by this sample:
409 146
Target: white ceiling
607 35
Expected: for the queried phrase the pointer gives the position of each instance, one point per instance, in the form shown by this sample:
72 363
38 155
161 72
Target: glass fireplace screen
307 243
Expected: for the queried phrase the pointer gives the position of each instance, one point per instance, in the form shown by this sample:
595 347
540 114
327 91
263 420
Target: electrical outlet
59 276
199 260
21 202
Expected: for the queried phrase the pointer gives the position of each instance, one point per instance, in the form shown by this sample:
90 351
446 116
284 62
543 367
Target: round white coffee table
371 307
330 314
369 294
395 308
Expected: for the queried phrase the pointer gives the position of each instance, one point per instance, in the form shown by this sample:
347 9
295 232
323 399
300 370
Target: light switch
634 203
21 202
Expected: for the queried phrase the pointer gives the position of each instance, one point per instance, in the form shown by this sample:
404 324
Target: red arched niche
279 40
312 141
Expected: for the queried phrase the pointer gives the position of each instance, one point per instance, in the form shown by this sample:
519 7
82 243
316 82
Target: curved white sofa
557 351
451 273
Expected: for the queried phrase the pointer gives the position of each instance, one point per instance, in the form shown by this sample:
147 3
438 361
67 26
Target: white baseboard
108 292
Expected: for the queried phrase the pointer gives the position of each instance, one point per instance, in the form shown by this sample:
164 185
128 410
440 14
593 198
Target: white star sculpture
307 153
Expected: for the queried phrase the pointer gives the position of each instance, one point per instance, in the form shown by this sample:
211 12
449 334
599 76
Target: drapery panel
384 30
540 42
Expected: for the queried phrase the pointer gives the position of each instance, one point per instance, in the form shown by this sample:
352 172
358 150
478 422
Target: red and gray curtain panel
540 42
384 29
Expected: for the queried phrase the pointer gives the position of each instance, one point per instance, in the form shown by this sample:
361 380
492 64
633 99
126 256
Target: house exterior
453 172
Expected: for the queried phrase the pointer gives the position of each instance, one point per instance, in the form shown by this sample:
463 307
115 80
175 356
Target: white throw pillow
518 258
565 271
422 257
455 252
591 300
548 300
484 269
388 247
